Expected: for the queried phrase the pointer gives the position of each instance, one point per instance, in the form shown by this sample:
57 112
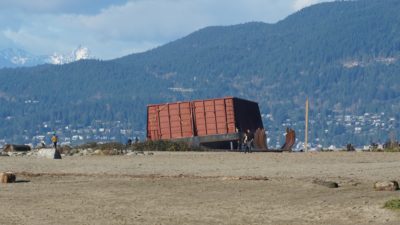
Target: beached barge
216 123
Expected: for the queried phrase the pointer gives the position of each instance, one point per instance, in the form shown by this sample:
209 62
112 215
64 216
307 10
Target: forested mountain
345 56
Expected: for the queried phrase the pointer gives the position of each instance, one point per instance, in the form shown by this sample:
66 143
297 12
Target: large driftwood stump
386 186
7 177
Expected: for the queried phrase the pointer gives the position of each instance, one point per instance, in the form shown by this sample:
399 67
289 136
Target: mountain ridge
344 56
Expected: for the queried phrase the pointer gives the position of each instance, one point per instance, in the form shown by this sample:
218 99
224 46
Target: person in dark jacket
129 142
248 141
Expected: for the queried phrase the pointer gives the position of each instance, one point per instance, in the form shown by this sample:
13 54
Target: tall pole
306 131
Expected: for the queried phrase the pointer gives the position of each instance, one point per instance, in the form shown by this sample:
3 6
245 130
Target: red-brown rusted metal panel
169 121
214 116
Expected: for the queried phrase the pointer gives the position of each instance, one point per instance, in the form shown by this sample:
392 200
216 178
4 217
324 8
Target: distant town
369 126
375 128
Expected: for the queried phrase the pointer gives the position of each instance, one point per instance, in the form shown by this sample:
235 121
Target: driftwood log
386 186
7 177
16 148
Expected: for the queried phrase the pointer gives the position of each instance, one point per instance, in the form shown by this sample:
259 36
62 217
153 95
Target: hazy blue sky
113 28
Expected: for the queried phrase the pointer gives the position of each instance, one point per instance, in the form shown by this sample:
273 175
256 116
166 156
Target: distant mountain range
16 57
12 58
343 55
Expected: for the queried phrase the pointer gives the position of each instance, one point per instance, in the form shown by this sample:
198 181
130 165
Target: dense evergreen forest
345 56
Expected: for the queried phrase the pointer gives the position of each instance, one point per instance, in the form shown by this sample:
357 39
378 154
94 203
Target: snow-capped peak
19 60
78 54
57 59
81 53
13 57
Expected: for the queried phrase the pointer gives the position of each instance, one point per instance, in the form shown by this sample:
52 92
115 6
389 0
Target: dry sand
200 188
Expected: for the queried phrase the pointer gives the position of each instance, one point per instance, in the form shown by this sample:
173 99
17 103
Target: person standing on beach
249 138
244 142
136 140
54 139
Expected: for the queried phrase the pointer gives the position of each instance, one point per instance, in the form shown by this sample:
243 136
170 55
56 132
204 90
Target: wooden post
306 130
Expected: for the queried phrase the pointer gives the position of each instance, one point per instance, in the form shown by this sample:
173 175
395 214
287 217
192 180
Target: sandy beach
200 188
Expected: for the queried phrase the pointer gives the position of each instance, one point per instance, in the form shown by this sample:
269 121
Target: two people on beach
130 142
248 140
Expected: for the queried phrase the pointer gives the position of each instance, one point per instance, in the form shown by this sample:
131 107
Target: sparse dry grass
164 146
396 149
393 204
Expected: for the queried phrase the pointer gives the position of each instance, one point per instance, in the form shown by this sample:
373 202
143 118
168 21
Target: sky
114 28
